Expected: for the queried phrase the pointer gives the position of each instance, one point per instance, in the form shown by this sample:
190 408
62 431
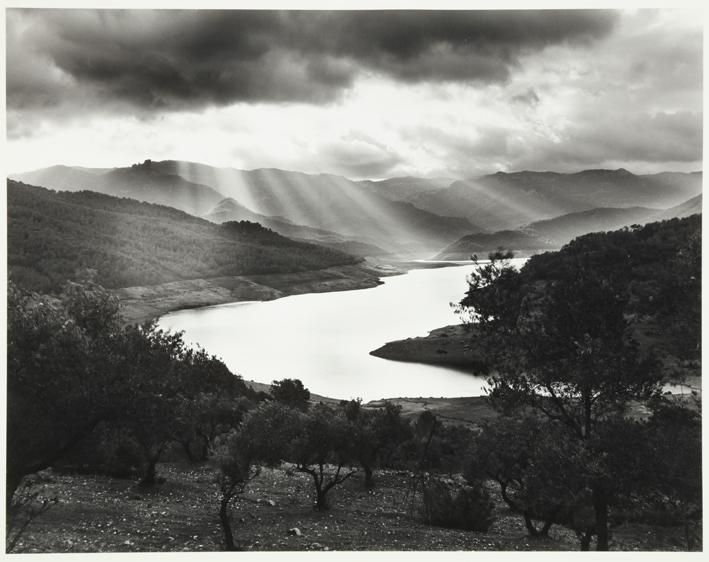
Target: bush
469 507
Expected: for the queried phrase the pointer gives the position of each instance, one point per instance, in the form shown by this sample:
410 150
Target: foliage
376 434
61 378
237 466
51 235
468 507
291 392
561 337
323 448
73 369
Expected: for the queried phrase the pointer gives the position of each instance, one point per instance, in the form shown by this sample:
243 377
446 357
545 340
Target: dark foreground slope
51 235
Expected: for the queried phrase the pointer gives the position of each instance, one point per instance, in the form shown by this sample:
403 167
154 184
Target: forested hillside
51 235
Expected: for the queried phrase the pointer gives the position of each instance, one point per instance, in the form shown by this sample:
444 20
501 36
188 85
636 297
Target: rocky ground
100 514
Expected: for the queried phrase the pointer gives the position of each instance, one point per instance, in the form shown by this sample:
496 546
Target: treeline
52 235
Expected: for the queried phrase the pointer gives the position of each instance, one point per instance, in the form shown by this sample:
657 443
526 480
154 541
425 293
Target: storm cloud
157 60
366 94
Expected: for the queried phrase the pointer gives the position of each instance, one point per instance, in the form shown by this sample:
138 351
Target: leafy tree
376 434
564 348
292 393
505 451
323 449
61 378
468 507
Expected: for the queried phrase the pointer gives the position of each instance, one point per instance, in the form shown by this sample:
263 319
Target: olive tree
562 346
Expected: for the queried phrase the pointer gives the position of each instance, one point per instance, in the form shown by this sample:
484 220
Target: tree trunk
600 506
205 450
188 450
544 532
368 476
148 478
532 530
12 482
225 520
321 498
586 541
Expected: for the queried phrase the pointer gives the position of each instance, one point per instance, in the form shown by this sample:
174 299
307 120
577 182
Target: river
324 339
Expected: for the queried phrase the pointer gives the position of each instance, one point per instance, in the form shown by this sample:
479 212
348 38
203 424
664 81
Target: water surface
324 339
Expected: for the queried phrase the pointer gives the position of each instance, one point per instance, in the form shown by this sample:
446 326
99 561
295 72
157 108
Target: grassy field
100 514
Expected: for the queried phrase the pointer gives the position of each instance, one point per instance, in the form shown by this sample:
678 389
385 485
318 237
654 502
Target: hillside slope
231 210
51 235
552 234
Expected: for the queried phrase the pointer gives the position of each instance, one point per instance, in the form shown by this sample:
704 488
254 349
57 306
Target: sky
364 94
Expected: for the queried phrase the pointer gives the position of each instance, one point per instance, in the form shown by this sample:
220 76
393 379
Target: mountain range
552 234
348 210
407 216
508 200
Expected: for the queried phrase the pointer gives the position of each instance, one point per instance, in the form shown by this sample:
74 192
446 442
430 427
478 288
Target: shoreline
140 304
449 346
143 303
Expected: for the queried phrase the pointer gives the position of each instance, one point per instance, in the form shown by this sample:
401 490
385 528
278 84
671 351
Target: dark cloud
186 59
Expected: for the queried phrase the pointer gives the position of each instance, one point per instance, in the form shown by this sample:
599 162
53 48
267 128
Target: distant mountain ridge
552 234
508 200
136 182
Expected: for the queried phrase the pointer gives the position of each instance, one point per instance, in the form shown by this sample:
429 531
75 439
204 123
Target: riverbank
139 304
454 346
450 346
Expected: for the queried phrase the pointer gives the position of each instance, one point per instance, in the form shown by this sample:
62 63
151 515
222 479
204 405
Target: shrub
468 507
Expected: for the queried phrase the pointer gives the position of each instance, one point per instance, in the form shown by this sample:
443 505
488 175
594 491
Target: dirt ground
101 514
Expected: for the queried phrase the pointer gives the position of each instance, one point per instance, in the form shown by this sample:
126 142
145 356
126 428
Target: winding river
324 339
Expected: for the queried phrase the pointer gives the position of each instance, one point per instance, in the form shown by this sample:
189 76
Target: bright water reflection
324 339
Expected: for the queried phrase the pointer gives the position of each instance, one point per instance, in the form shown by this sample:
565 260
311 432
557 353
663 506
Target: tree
376 433
61 376
153 392
323 449
237 466
291 392
562 346
506 451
